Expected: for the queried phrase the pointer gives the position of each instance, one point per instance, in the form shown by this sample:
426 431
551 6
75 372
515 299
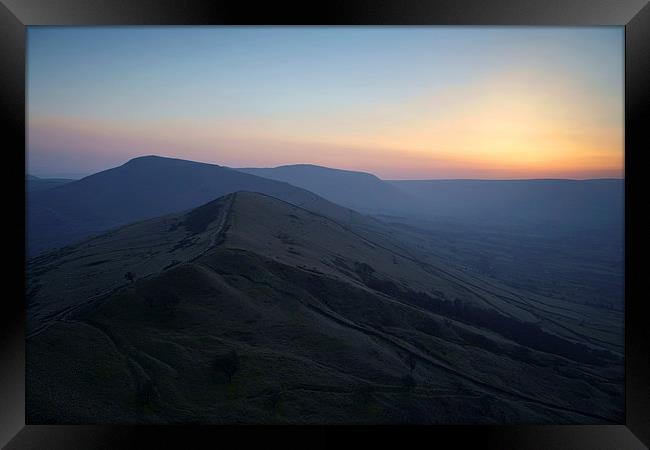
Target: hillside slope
34 183
565 204
142 188
357 190
250 309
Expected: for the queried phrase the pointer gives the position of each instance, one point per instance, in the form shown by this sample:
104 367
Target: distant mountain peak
146 158
357 190
157 159
142 188
333 170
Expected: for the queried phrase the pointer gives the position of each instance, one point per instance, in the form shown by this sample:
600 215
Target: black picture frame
15 15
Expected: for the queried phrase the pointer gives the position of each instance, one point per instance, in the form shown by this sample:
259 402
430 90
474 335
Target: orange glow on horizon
506 127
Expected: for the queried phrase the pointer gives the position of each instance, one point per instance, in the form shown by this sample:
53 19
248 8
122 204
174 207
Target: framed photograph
396 219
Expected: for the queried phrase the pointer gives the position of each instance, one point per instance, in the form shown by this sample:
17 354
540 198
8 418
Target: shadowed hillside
357 190
251 309
142 188
547 206
34 183
558 238
561 204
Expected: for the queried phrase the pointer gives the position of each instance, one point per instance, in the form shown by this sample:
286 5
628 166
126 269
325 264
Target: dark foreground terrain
249 309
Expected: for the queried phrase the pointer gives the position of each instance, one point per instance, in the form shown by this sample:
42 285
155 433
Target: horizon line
75 175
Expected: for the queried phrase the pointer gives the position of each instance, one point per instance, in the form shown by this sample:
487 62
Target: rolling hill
35 183
357 190
252 309
142 188
558 238
546 205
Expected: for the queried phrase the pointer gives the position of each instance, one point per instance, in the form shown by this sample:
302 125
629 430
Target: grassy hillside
250 309
142 188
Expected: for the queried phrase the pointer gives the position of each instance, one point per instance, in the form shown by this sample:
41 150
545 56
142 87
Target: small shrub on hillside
227 364
145 393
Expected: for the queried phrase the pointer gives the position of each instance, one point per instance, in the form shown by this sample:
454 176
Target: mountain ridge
141 188
306 304
361 191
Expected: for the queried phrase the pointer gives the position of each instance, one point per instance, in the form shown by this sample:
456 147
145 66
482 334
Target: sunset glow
402 103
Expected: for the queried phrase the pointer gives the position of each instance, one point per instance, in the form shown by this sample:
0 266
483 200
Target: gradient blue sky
401 102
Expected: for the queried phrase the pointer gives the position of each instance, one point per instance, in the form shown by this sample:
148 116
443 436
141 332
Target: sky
399 102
